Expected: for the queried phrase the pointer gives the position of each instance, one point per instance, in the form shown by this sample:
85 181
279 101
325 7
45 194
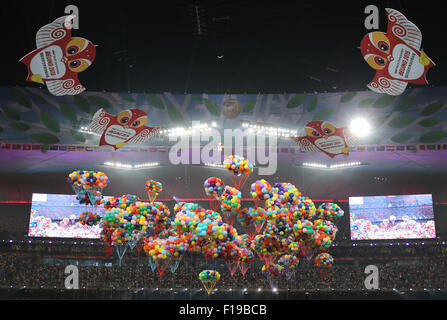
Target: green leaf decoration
174 115
432 108
155 101
128 99
365 103
22 98
50 122
79 137
404 104
348 97
196 97
377 122
376 140
40 99
68 112
312 104
429 122
45 138
296 101
249 106
434 136
400 122
99 102
324 114
82 103
11 114
19 126
212 107
400 138
383 102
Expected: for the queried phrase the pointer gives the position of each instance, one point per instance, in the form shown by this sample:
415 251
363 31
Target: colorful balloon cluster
213 187
230 200
324 260
209 276
260 190
89 218
288 261
329 211
272 269
153 189
284 193
88 179
238 165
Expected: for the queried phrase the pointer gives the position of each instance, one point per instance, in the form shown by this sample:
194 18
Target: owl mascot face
128 126
59 58
395 55
325 137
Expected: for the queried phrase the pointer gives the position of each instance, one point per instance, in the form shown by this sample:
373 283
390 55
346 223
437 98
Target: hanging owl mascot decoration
59 58
395 55
325 137
128 126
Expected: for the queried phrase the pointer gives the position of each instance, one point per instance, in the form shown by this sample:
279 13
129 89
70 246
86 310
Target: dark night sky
267 46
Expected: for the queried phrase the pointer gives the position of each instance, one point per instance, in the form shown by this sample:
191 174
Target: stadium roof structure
219 46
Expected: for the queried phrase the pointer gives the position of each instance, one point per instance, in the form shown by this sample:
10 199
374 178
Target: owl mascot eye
59 58
395 55
325 137
128 126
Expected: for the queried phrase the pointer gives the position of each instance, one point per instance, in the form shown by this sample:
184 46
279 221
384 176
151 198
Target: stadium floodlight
274 289
360 127
259 289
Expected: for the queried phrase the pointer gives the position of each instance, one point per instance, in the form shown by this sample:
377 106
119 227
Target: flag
88 148
411 148
390 148
96 149
441 146
380 148
153 149
63 148
133 149
400 148
370 148
26 147
360 149
72 148
35 147
6 146
144 150
422 147
284 150
80 148
292 150
162 149
431 147
16 147
54 148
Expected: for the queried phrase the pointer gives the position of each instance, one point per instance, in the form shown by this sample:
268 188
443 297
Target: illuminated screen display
57 216
392 217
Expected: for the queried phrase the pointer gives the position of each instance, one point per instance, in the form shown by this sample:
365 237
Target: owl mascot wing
144 135
46 36
100 121
399 30
305 144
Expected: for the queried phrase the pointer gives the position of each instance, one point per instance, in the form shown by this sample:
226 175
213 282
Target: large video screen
392 217
57 216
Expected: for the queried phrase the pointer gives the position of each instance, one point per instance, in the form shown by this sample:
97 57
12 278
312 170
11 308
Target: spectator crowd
21 271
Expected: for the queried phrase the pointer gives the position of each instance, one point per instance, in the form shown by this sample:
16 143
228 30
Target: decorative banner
395 55
324 136
126 127
59 58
